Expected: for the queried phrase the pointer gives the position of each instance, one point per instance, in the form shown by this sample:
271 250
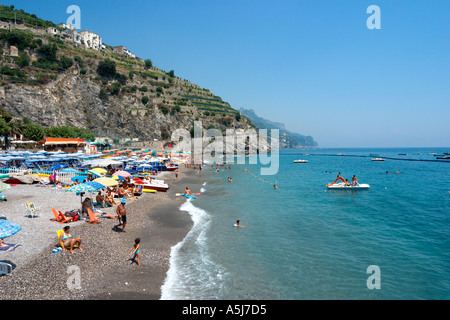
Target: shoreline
105 269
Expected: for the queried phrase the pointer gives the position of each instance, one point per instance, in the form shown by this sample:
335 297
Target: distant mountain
288 139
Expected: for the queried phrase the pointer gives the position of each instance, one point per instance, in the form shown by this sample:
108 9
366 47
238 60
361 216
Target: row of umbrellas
99 183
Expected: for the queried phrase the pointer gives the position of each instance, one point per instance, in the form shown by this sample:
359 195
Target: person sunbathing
110 199
100 199
67 242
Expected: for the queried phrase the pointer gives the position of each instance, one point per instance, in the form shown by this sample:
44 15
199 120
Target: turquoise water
304 241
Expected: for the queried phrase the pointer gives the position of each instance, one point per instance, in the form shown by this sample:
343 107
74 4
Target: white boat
377 159
300 161
153 184
343 186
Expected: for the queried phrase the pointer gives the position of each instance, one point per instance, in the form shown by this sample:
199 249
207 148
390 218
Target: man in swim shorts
122 213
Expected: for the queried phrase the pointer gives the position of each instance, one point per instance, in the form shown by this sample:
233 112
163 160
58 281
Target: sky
313 65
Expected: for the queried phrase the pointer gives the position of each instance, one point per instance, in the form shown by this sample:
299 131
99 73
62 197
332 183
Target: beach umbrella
95 173
124 174
8 228
118 178
81 188
4 186
95 185
79 178
70 170
58 166
107 182
100 170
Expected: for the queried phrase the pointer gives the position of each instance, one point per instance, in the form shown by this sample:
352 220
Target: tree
107 68
34 132
48 52
144 100
148 63
66 62
23 60
171 73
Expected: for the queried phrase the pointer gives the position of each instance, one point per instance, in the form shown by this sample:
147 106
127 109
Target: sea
304 241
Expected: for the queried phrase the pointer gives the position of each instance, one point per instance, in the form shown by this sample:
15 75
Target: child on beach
136 248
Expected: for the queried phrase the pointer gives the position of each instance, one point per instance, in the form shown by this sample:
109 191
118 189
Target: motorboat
377 159
151 184
344 186
171 167
300 161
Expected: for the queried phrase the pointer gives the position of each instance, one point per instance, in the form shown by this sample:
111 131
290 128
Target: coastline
105 267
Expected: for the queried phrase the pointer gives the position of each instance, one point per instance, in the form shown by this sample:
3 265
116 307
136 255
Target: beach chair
92 217
63 218
42 182
56 214
59 232
5 269
32 210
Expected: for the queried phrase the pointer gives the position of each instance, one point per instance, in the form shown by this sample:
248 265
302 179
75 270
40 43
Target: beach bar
63 144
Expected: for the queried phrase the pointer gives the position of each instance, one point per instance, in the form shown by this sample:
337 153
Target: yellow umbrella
107 182
100 170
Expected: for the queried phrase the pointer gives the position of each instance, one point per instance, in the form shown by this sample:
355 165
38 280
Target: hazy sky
311 64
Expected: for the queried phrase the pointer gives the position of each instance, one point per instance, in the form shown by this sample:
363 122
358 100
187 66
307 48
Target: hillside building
91 39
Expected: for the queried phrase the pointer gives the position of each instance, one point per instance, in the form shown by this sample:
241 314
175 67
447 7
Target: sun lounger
92 217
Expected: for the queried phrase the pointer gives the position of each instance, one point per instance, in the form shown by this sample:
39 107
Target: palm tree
4 131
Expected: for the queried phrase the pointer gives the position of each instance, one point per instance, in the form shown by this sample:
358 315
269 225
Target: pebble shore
104 267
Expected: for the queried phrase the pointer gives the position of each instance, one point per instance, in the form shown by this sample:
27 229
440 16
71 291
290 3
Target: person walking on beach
136 248
122 214
176 176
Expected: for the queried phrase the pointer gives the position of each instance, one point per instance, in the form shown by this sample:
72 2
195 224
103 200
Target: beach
105 268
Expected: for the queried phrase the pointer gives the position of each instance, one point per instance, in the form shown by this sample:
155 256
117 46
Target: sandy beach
105 268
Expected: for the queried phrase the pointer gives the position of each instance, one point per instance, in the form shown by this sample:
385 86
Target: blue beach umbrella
95 185
8 228
70 170
80 188
58 166
79 178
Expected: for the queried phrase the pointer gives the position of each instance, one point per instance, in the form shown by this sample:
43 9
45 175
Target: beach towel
10 247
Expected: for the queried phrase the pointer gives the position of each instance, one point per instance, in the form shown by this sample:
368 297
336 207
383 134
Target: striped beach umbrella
83 187
95 173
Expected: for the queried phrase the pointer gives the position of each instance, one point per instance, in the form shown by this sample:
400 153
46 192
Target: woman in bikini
67 242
